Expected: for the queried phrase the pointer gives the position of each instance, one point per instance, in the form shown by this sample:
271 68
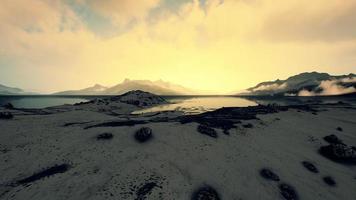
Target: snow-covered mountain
157 87
306 84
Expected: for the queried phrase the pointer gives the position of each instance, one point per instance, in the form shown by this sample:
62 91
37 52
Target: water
186 104
192 105
40 101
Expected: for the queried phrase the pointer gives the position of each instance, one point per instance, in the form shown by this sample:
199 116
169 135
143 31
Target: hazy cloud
190 43
271 87
303 21
123 12
331 87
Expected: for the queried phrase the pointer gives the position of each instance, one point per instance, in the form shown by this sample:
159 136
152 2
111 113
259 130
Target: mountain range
306 84
5 90
157 87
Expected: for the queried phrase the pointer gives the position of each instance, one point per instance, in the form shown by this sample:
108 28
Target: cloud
123 12
332 87
217 46
331 21
348 80
270 87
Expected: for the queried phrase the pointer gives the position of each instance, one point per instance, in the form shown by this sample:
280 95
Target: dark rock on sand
9 106
333 139
339 129
117 123
269 175
45 173
339 153
6 115
288 192
226 118
83 103
104 136
143 134
207 131
248 125
146 189
311 167
329 180
205 193
74 123
224 124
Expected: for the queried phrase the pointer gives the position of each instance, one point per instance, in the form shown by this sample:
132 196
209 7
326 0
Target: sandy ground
177 160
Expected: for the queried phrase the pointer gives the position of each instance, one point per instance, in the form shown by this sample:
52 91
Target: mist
331 87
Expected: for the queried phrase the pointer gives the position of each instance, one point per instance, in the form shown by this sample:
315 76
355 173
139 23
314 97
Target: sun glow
212 45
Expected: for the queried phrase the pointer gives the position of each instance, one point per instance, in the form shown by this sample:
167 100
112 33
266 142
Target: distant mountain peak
159 87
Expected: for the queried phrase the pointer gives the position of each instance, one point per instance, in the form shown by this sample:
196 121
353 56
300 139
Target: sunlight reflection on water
194 105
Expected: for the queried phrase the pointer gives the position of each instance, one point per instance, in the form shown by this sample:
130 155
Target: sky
218 46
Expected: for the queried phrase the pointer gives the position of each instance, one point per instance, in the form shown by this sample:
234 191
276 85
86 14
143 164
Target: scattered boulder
249 125
288 192
205 193
207 131
339 153
310 167
329 180
44 173
146 189
339 129
333 139
143 134
6 115
269 175
104 136
83 103
9 106
117 124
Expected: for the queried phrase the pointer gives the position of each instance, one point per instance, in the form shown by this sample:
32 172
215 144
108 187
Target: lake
186 104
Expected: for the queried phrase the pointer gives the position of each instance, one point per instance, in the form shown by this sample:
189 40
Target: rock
248 125
143 134
146 189
288 192
310 167
329 180
9 106
45 173
339 153
83 103
104 136
117 124
333 139
339 129
207 131
205 193
269 175
139 98
6 115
